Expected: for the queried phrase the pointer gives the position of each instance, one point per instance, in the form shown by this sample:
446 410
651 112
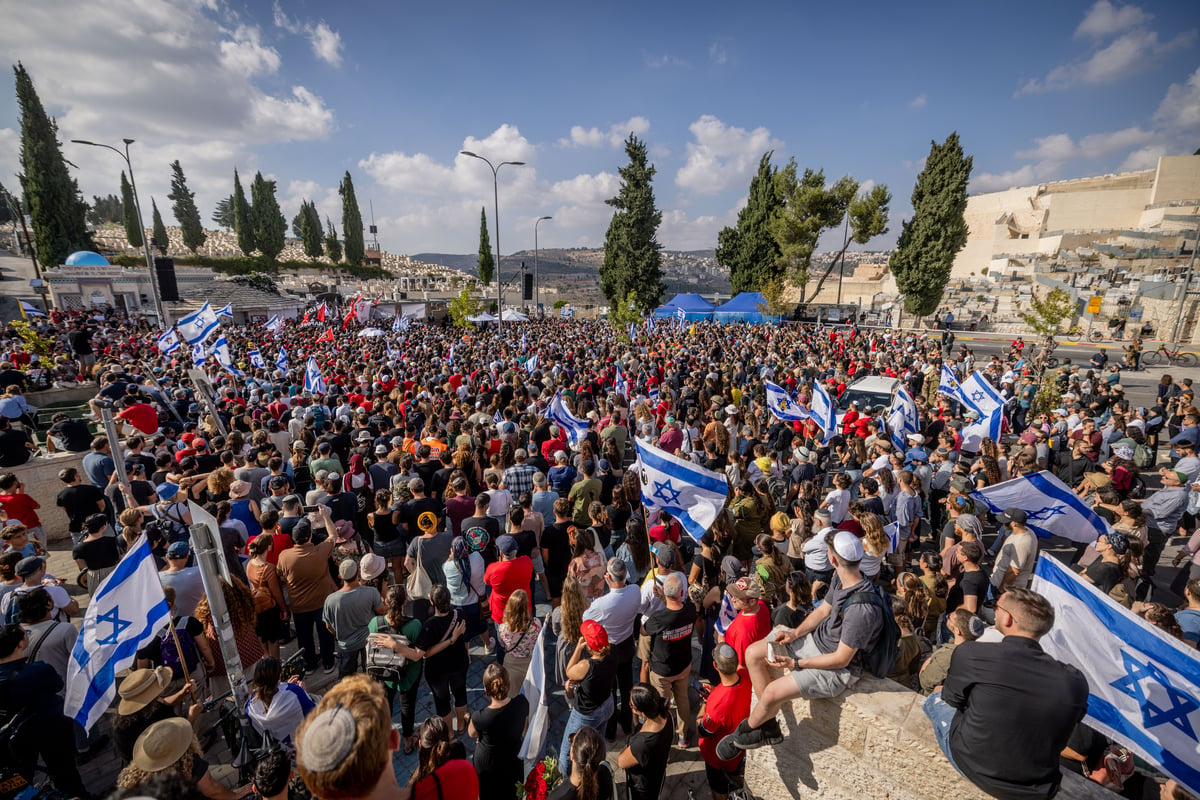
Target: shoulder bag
419 584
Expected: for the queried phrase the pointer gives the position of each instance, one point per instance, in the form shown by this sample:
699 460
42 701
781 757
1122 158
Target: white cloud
302 116
1143 158
1128 53
587 189
865 187
246 55
417 173
919 101
1180 109
722 156
665 60
614 136
1104 19
326 42
682 232
10 149
717 53
994 182
1060 146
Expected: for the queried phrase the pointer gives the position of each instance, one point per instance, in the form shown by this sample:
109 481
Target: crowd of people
425 511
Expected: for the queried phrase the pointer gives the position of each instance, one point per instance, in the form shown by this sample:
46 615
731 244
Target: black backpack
880 660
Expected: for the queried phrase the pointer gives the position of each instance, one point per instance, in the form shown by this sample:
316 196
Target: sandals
410 745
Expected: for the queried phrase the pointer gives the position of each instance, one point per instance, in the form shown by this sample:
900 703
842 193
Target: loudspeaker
164 269
528 294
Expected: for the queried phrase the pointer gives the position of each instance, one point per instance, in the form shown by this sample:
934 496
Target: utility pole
37 270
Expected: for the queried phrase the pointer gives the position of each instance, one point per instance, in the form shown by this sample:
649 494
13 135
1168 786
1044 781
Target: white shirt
838 502
616 611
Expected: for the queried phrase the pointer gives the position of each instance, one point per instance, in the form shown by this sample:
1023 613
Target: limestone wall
873 743
40 477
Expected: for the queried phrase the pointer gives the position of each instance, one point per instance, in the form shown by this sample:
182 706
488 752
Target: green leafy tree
133 225
333 248
158 230
632 254
809 209
257 280
1047 314
223 216
310 230
487 264
52 198
461 306
241 218
622 315
352 225
296 222
107 209
930 240
868 219
270 228
748 250
184 209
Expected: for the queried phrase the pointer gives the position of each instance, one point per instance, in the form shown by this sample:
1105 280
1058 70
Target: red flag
307 317
351 316
327 336
321 313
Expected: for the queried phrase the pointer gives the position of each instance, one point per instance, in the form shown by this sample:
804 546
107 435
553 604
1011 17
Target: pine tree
241 217
158 231
352 225
310 230
8 208
632 254
223 214
129 215
105 210
296 222
930 240
487 263
270 227
748 250
52 198
185 211
333 248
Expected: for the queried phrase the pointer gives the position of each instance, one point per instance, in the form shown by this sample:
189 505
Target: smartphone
311 509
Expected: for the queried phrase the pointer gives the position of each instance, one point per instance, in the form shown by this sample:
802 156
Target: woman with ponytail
645 758
499 729
590 777
442 767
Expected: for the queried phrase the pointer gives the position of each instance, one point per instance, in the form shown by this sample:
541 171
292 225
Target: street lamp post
537 274
496 214
158 306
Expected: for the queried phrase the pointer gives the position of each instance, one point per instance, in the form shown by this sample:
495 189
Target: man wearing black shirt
481 530
79 501
66 434
670 631
1007 709
426 465
15 447
971 588
419 504
81 346
556 547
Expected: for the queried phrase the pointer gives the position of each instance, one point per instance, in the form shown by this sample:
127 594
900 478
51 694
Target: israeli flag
197 326
652 395
575 428
680 315
902 418
824 412
650 324
220 351
392 354
892 530
126 612
534 687
726 615
688 492
620 385
313 382
450 358
632 331
990 426
568 312
783 406
1053 509
1143 684
30 310
256 359
274 324
531 364
227 311
168 342
281 361
524 343
949 385
980 395
199 355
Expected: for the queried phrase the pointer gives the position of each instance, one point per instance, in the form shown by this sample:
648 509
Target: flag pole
182 661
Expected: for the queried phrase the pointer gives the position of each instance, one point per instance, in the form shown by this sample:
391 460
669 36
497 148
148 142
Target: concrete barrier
76 395
40 477
874 742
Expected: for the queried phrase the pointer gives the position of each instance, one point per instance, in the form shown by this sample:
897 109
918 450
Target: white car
869 392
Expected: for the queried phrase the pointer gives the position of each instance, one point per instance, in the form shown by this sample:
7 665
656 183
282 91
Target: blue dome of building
86 258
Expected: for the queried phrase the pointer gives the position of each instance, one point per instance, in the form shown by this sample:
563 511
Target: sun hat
166 491
142 687
594 634
163 744
371 566
239 490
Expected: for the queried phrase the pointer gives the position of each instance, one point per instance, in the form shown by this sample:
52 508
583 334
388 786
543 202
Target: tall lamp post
158 306
496 214
537 274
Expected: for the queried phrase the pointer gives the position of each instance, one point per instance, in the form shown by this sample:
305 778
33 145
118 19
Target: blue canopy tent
695 307
743 308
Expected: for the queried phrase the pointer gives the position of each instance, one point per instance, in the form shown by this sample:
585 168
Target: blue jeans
941 714
597 719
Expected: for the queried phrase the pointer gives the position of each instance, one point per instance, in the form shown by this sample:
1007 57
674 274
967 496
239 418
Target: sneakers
329 670
747 738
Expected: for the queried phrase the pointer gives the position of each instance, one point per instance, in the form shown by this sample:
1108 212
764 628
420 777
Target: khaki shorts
643 648
815 684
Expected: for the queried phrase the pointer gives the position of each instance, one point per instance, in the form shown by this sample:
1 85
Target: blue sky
304 91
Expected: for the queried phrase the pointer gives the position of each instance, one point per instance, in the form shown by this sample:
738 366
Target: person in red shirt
140 415
726 707
505 576
279 541
753 621
21 507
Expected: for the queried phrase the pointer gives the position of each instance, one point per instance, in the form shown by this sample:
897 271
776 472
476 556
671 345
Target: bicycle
1164 353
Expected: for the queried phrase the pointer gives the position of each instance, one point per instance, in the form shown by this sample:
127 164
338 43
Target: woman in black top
446 659
589 777
1110 569
499 728
644 759
592 672
97 553
704 586
619 512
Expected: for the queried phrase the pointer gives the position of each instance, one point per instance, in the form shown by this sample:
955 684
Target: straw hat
162 744
141 688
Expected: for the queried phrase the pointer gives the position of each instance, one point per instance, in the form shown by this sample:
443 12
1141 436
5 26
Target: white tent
369 333
512 315
479 319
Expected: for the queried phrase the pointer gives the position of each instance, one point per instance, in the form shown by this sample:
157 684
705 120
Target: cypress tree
748 250
930 240
487 264
352 225
159 231
310 230
270 227
52 197
241 217
129 215
632 255
223 214
184 209
333 248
